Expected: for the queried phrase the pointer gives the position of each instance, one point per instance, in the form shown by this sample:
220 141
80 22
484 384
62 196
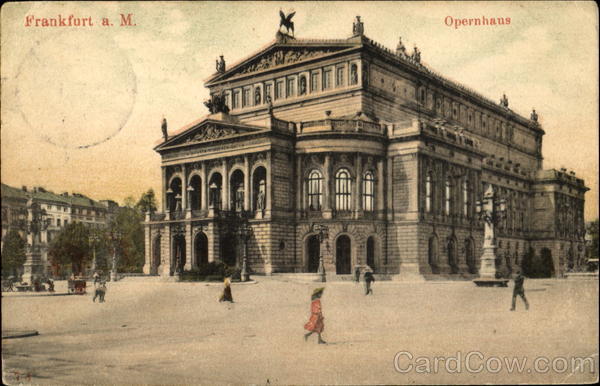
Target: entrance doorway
229 250
201 249
178 259
343 264
313 247
371 253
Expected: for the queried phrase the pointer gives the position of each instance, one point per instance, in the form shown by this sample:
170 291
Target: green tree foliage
71 246
13 253
130 248
147 202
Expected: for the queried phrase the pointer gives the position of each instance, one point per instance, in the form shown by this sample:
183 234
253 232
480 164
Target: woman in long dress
227 297
316 321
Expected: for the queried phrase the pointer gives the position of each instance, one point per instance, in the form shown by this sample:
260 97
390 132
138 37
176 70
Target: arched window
428 193
342 189
315 191
465 192
353 74
368 191
448 197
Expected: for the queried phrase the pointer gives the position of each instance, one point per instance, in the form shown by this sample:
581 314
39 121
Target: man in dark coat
519 290
357 274
369 279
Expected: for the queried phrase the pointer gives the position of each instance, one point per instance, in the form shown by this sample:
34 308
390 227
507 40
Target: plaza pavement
151 332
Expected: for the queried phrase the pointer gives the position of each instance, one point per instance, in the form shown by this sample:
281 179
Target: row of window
342 192
449 204
292 86
488 125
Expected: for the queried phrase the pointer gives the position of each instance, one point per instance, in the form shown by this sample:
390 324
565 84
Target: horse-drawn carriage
77 286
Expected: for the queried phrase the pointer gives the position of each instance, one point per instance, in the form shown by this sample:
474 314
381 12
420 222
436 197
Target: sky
82 106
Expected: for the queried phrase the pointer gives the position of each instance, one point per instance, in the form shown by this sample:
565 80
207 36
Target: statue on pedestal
163 127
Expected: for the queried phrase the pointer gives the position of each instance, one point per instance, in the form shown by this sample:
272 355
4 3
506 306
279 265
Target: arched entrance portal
452 256
201 249
546 264
371 252
229 250
470 256
343 264
178 258
313 248
155 256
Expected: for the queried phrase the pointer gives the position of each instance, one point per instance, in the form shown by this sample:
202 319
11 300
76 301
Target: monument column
327 187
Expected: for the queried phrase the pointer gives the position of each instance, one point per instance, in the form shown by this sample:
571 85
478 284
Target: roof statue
358 27
220 64
416 55
216 104
534 116
163 126
504 101
286 21
400 49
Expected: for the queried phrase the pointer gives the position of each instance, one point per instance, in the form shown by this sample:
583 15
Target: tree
71 246
13 253
147 202
130 249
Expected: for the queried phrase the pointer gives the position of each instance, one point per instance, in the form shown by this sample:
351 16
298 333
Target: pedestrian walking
100 291
96 277
519 290
226 296
50 283
316 321
369 279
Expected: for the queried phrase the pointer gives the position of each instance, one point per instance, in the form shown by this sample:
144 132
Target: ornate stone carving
283 57
210 132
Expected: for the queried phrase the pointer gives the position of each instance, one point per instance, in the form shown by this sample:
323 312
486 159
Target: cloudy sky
81 107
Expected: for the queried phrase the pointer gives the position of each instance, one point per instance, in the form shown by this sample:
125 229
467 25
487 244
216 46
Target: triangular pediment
279 55
207 130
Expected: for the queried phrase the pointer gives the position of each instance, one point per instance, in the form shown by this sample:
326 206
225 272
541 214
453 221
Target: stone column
247 187
166 242
390 185
326 210
269 187
188 247
184 185
225 186
379 199
299 185
148 246
164 189
203 188
358 207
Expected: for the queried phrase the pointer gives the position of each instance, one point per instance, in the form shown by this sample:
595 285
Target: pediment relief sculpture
281 58
210 132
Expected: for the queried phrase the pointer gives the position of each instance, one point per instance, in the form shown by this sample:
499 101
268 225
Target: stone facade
388 155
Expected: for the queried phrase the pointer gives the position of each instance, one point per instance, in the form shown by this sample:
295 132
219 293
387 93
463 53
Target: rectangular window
279 89
246 97
290 87
235 102
339 78
326 79
314 82
57 222
268 91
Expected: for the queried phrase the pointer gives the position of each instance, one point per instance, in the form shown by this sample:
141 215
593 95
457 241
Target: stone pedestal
488 263
33 266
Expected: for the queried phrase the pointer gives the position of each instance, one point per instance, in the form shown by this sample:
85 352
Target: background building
60 209
388 155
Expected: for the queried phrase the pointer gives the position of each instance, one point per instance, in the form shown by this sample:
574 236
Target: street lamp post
115 237
491 211
94 239
323 231
245 233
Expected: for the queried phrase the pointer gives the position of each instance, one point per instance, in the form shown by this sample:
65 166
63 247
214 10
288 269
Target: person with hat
369 279
518 290
315 323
